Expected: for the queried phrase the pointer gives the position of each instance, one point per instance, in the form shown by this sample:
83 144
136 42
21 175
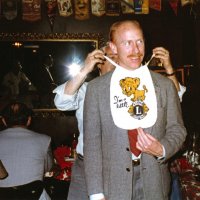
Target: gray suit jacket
107 158
25 154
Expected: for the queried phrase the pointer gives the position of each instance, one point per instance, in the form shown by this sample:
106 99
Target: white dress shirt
72 102
181 91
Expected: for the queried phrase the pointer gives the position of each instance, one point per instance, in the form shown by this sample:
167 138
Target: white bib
132 98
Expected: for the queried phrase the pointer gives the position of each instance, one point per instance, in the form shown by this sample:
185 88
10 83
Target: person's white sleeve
181 91
164 153
97 196
63 101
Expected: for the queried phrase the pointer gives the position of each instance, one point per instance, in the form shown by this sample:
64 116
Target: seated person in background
16 80
18 84
5 97
26 154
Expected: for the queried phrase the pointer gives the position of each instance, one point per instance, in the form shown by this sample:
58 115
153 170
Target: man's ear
28 121
4 121
113 47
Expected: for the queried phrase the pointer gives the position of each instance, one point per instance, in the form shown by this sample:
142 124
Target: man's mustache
134 55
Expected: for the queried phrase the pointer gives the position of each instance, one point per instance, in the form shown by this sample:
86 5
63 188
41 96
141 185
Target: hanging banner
174 5
81 9
145 7
141 6
9 9
155 4
31 10
98 7
112 8
51 6
65 8
185 2
127 6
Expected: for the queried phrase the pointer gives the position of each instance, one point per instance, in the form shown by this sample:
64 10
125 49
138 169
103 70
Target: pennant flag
51 6
174 5
127 6
98 7
185 2
81 9
155 4
31 10
112 8
65 8
141 7
145 7
9 8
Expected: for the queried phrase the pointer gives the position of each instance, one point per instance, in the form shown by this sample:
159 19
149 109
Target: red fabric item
60 153
155 4
132 135
174 5
31 11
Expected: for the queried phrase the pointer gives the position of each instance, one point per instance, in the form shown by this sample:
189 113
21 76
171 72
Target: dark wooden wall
179 34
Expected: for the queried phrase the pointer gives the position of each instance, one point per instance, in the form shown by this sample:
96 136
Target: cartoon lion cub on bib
129 87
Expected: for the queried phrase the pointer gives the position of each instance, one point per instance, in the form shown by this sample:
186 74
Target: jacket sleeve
92 141
48 158
175 131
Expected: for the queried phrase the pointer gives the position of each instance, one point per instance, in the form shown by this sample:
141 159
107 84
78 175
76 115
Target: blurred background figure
48 63
5 97
46 82
17 83
26 155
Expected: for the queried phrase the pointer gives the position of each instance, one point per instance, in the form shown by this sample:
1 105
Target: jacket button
128 169
127 149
